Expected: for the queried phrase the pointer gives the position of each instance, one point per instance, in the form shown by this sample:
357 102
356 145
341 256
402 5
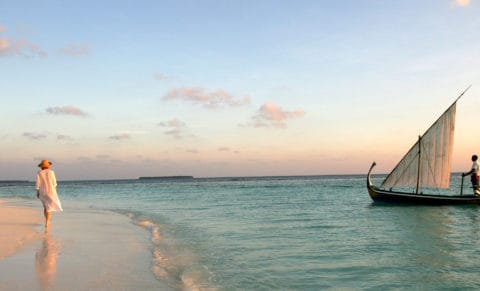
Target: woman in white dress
47 190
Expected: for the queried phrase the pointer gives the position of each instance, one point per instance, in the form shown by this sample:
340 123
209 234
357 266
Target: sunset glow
122 89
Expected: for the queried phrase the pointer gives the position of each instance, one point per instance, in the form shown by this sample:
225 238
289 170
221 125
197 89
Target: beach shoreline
84 249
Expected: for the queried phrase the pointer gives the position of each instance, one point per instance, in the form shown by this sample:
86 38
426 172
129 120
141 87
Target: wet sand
17 226
83 249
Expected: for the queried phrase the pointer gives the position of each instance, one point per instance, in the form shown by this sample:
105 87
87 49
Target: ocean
286 233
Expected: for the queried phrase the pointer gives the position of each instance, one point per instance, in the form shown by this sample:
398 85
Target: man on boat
474 175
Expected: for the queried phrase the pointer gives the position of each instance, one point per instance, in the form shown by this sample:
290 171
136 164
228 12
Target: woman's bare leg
47 217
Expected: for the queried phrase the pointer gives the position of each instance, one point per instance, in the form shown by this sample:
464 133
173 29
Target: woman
47 190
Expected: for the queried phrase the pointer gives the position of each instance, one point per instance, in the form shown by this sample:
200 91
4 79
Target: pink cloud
66 110
175 126
75 50
272 115
199 96
20 47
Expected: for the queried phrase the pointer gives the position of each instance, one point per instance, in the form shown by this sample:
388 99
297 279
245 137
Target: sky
122 89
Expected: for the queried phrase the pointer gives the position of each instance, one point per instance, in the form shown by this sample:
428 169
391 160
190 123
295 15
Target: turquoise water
288 233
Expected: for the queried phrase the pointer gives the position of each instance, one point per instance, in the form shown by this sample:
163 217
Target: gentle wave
173 264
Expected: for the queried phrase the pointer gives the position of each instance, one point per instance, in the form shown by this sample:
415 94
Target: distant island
166 178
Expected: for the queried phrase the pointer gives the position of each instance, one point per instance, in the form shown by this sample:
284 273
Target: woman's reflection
46 260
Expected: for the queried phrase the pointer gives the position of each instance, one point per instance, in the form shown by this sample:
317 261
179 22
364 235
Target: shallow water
305 233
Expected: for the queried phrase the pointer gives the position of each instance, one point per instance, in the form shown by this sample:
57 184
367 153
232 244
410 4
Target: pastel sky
122 89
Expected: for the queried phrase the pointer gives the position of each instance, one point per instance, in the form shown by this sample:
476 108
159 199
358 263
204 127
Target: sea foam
172 263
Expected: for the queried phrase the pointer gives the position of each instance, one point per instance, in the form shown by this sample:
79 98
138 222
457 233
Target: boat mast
419 158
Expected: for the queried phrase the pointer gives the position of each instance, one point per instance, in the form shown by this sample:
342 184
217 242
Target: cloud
462 3
119 137
176 128
34 136
227 149
63 137
199 96
75 50
272 115
20 47
66 110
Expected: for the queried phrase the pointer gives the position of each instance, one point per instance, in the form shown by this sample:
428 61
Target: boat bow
369 180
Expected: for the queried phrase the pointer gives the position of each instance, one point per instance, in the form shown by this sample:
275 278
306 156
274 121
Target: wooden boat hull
380 195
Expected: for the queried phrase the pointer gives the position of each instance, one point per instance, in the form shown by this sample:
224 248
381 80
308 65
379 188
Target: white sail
434 149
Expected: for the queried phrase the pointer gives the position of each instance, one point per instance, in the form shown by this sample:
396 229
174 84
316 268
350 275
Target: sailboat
426 166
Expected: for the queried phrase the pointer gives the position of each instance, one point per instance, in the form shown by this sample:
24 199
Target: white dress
47 187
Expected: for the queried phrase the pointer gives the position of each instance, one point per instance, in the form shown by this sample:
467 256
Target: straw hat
45 164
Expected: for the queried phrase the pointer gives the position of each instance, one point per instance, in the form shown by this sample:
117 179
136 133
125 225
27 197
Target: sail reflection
46 261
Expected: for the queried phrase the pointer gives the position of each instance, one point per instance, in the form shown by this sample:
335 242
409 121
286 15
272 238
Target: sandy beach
84 249
18 228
